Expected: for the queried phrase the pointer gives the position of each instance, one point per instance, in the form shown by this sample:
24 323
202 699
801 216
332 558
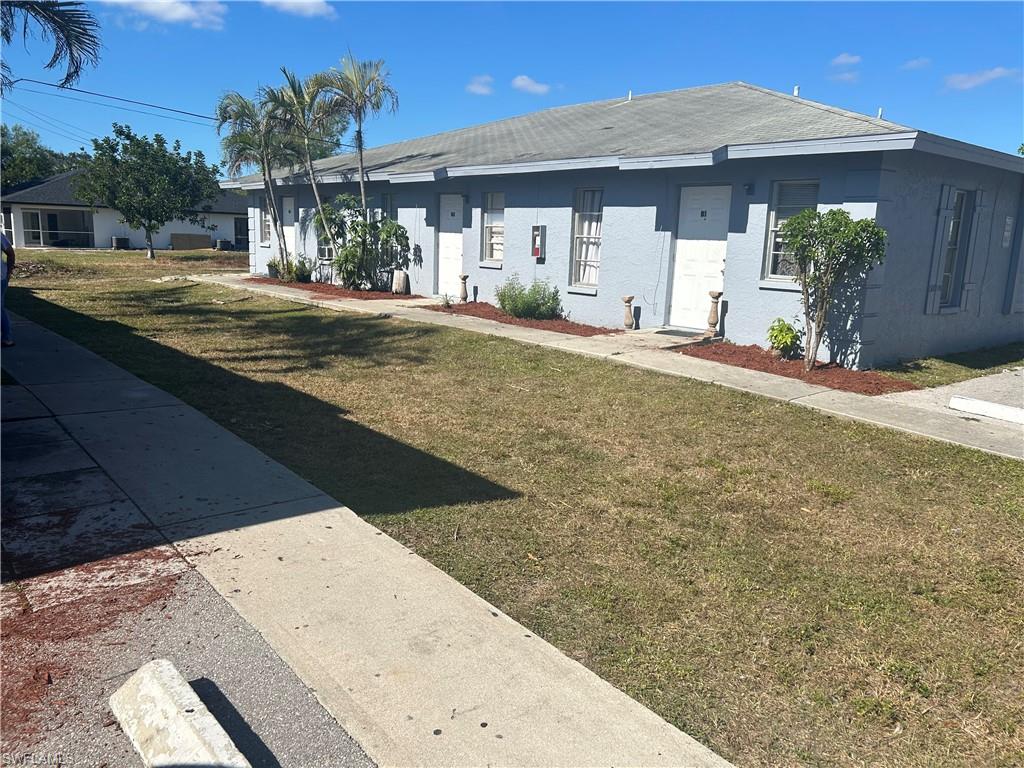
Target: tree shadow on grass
370 472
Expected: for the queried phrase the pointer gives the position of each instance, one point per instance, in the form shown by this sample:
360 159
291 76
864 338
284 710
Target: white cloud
303 7
527 84
967 81
201 14
481 85
845 59
845 77
921 62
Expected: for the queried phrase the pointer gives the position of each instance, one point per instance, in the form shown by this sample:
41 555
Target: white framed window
954 256
586 238
788 199
264 214
494 226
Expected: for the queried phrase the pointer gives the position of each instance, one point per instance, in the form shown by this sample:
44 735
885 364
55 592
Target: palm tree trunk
316 194
362 172
275 220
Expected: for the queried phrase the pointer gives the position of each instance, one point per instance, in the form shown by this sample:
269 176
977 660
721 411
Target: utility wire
55 122
49 129
116 106
115 98
148 104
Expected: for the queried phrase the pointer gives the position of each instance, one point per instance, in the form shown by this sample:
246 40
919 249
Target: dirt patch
25 269
830 375
42 649
491 312
336 291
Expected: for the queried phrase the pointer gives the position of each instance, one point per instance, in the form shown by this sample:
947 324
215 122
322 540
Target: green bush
538 302
783 337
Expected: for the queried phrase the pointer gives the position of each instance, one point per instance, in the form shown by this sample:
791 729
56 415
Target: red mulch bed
335 291
830 375
491 312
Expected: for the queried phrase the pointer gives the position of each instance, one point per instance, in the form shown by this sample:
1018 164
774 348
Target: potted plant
273 268
783 339
303 270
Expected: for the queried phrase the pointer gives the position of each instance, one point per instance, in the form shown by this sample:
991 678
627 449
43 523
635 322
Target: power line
116 98
116 106
71 127
148 104
49 129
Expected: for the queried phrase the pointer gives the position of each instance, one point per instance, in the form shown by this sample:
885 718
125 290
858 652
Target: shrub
285 271
538 302
303 270
370 248
783 337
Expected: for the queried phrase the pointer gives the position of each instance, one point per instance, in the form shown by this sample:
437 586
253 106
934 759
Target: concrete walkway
421 671
1005 388
649 349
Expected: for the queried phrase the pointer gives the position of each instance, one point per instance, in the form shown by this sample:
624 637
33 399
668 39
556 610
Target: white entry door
449 245
700 253
288 224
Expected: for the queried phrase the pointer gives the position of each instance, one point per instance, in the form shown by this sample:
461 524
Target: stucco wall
107 223
911 187
638 243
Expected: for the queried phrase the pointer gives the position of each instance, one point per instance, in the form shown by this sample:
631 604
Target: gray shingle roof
58 190
688 121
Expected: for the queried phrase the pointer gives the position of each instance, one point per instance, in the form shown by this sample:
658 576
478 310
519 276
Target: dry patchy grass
787 587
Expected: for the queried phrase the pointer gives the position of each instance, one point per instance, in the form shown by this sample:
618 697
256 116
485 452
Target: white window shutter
945 213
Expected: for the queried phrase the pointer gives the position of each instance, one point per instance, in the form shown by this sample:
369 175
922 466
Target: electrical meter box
538 242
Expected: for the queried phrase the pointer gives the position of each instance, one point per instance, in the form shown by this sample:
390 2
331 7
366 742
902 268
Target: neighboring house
668 196
50 214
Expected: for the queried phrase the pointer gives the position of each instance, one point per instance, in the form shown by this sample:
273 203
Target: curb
167 723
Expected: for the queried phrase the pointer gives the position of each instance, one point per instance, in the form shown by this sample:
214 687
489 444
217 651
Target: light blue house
669 196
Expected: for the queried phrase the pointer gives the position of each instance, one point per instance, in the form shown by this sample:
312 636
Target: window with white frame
788 199
586 238
494 226
264 220
954 255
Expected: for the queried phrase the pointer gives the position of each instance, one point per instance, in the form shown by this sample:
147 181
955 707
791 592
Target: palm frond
70 26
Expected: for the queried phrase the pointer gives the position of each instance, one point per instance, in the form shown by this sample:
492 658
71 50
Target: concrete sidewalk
421 671
649 349
92 591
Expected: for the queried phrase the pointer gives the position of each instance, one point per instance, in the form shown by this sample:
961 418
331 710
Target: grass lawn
786 587
949 369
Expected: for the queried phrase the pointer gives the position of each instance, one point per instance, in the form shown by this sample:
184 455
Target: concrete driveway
1005 388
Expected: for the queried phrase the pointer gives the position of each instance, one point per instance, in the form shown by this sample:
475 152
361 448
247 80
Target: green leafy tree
148 182
71 27
830 250
25 160
308 111
364 88
254 141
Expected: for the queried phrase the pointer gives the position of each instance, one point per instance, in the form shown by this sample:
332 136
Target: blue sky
949 68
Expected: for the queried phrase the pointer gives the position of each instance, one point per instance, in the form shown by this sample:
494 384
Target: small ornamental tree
148 182
371 248
828 249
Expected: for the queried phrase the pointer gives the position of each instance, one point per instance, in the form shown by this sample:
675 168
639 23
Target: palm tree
70 25
254 140
310 113
365 90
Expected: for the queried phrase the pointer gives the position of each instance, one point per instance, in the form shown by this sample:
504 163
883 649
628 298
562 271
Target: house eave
884 142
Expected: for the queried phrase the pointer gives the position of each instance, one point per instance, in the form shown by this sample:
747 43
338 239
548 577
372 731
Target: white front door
288 224
449 245
700 253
